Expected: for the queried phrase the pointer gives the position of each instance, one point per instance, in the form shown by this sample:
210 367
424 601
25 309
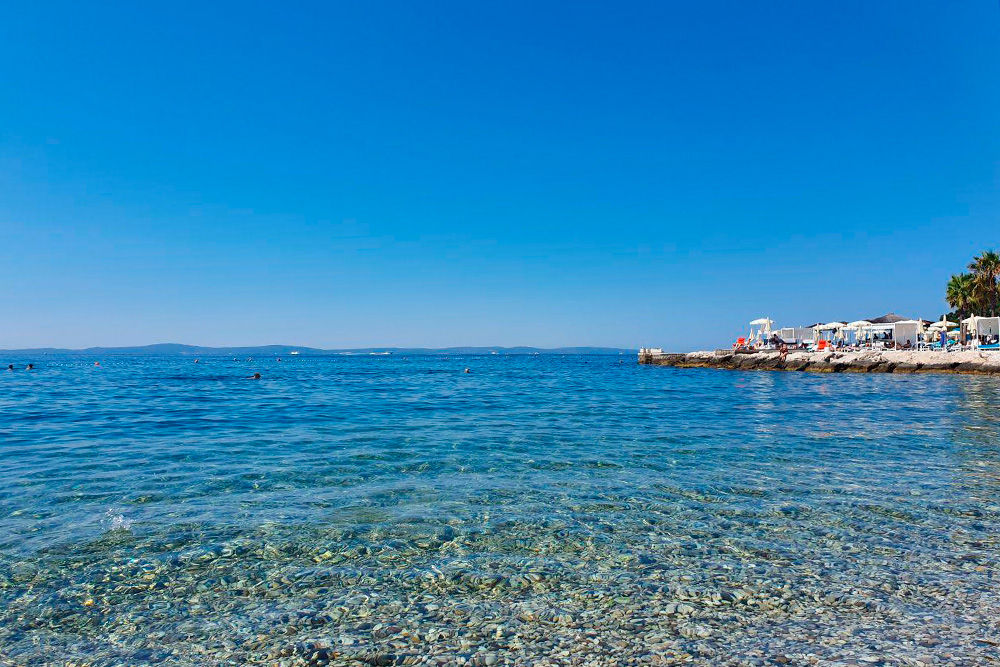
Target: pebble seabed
739 588
545 512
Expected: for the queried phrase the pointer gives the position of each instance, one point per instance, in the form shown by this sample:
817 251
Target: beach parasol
888 318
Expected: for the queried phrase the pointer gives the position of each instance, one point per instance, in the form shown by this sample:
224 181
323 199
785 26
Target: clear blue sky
437 174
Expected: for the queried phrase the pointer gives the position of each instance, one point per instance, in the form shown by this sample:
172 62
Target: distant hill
172 349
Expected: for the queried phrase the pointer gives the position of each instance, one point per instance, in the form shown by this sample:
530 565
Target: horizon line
276 347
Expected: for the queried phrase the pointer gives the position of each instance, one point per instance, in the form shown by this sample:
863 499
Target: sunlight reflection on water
547 495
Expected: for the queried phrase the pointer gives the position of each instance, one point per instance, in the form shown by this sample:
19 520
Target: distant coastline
282 350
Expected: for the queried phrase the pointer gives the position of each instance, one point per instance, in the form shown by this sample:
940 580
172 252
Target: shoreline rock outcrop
867 361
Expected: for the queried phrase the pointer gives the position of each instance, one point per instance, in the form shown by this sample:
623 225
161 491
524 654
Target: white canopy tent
860 329
907 331
796 335
760 329
880 332
829 330
982 327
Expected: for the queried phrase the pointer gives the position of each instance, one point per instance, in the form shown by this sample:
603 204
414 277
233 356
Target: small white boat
293 352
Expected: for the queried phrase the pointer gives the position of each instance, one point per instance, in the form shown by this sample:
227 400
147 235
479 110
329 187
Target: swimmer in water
30 367
10 367
97 363
466 371
255 376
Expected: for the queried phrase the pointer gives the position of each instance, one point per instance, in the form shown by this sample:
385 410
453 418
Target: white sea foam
114 521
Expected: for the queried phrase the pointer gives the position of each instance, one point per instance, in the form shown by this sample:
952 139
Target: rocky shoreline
868 361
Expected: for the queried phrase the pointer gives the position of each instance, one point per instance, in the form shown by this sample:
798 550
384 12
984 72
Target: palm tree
961 293
986 271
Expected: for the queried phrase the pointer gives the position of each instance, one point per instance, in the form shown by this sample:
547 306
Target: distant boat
294 352
380 354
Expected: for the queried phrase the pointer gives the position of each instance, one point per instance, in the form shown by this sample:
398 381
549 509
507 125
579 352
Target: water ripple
347 509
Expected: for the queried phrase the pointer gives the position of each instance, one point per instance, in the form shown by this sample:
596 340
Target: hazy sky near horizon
433 174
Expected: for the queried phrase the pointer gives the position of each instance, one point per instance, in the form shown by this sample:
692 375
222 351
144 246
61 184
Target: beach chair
740 343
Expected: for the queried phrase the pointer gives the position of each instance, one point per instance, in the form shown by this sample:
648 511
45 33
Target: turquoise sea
563 510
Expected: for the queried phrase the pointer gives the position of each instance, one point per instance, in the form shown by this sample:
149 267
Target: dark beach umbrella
888 318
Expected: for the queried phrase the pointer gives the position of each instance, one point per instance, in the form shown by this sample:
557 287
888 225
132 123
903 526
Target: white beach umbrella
943 324
859 324
763 325
832 325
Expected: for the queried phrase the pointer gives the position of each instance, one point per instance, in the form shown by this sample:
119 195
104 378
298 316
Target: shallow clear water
575 510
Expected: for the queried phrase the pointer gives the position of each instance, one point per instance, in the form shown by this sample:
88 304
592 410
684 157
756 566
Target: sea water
537 510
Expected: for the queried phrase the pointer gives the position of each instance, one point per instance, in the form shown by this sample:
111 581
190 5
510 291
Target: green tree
986 274
961 294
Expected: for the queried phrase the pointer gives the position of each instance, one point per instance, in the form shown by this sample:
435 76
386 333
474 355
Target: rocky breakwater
867 361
